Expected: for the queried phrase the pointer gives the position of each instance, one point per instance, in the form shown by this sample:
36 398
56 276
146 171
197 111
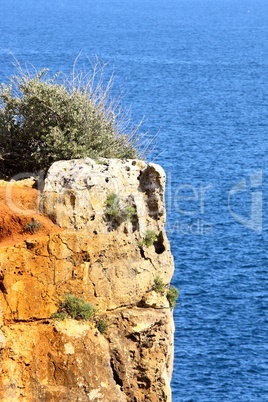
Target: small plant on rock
172 295
130 212
76 308
118 211
159 285
112 206
102 326
149 239
60 316
33 226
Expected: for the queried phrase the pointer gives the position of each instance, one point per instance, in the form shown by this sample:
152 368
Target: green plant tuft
172 295
46 119
102 326
33 226
118 210
112 203
130 212
149 239
76 308
159 285
59 316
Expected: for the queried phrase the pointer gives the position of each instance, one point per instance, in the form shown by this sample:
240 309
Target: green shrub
130 212
172 295
159 285
33 226
102 326
44 119
76 308
60 316
118 210
112 206
149 239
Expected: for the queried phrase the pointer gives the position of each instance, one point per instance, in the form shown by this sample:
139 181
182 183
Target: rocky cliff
102 239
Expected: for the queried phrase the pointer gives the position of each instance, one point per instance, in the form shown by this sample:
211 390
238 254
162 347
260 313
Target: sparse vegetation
118 210
102 326
76 308
130 212
45 119
113 208
149 239
159 285
172 295
33 226
60 316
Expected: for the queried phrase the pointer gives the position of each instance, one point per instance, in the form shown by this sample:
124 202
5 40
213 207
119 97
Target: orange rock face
47 360
18 206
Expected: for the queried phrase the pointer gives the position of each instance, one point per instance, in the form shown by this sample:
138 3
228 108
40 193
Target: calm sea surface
198 71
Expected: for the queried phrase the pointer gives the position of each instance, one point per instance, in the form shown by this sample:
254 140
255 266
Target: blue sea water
197 70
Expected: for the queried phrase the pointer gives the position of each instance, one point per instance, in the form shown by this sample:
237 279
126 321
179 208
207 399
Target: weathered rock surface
104 261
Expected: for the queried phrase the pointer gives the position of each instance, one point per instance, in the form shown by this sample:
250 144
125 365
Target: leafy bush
33 226
149 239
76 308
159 285
44 119
172 295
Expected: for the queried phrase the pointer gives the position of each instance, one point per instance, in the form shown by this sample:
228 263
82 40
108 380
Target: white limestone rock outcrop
76 191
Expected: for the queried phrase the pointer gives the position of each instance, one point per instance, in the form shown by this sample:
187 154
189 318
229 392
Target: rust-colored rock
18 205
108 266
